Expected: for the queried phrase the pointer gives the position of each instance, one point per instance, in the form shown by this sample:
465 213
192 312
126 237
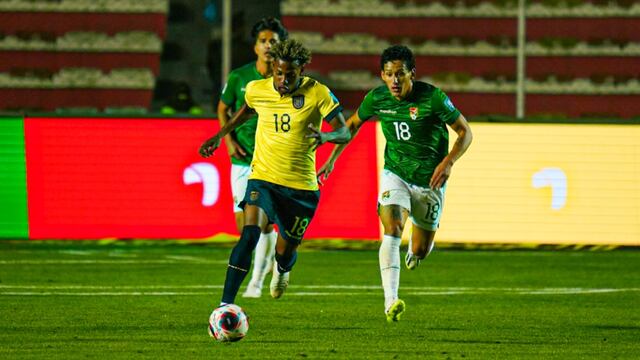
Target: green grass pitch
70 300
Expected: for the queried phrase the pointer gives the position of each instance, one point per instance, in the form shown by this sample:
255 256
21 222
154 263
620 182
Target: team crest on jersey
386 195
254 195
413 112
298 101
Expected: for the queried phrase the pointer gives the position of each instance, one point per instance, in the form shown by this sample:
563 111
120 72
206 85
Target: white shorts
239 178
423 203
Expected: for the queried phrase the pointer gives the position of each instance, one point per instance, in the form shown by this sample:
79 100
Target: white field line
77 252
191 258
343 290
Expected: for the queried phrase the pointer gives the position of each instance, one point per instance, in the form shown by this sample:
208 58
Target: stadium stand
70 56
581 56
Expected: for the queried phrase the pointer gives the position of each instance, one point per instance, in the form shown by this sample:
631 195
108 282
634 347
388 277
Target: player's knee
393 228
239 216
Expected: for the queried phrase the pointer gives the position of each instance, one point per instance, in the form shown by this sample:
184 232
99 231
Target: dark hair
291 51
398 52
270 23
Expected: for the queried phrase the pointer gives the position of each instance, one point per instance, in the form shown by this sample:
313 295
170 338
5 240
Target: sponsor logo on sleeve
449 105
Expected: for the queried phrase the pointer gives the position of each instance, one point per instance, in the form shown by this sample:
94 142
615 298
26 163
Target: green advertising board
14 221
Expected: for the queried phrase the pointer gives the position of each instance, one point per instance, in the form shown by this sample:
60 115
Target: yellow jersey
283 155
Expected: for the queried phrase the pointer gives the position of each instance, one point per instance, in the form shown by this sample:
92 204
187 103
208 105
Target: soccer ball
228 323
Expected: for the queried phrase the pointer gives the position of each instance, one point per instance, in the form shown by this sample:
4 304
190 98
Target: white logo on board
207 175
557 180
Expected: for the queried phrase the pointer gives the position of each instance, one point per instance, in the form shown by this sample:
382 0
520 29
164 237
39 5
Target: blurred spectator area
582 56
192 49
82 54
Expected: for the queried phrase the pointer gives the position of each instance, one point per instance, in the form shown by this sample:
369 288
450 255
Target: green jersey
415 129
233 96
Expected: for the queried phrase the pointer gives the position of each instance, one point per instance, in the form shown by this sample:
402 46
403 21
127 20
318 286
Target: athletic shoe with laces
395 310
252 291
279 282
411 261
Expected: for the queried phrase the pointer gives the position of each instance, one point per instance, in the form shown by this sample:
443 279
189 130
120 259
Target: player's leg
285 257
263 254
420 246
262 262
393 218
393 208
255 219
295 209
239 216
239 178
426 211
270 237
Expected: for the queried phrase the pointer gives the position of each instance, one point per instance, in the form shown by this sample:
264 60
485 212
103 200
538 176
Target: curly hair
291 51
398 52
270 23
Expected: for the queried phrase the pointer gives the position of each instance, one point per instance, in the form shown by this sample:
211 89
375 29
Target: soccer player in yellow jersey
282 187
240 143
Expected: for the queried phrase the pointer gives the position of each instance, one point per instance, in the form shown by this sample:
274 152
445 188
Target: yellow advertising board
545 184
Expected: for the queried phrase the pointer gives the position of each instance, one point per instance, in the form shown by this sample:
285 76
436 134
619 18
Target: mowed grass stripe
349 290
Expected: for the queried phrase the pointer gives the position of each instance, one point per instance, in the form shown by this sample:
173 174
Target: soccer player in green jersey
241 142
417 162
282 186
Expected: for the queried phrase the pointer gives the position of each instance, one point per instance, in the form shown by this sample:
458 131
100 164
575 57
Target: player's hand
234 149
318 136
209 146
440 175
324 171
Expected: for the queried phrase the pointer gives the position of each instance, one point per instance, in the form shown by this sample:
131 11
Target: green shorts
290 209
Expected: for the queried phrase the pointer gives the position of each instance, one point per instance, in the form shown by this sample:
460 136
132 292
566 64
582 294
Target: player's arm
443 170
331 110
353 125
240 117
233 147
339 135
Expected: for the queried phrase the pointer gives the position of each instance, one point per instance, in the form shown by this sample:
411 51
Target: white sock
389 257
263 258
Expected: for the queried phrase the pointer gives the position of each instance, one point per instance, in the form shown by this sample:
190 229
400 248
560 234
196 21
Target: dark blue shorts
290 209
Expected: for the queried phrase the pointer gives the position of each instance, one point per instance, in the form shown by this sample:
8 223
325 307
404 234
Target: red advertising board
91 178
348 199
